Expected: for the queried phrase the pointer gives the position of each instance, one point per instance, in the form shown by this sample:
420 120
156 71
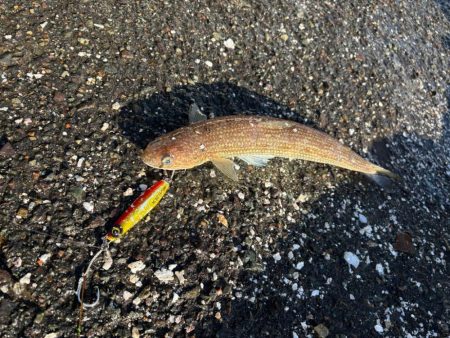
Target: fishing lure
134 213
138 210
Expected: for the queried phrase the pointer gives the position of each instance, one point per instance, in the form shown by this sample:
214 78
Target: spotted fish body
253 139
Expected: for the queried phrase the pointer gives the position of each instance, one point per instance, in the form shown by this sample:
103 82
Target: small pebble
88 206
277 257
284 37
107 260
52 335
315 293
229 43
380 269
105 126
164 275
321 331
22 213
128 192
80 162
133 279
137 301
351 259
135 332
25 279
175 297
222 220
126 295
116 106
362 218
300 265
379 328
180 276
41 260
136 266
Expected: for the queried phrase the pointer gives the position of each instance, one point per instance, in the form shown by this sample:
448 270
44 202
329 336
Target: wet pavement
293 249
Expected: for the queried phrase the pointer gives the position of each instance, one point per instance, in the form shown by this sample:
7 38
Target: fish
255 140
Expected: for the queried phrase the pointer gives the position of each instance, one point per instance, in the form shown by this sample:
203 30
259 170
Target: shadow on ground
270 306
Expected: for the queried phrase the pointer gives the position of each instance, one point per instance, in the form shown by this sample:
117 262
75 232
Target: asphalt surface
294 249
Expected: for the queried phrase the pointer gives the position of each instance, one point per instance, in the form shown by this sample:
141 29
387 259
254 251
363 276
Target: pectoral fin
195 115
226 166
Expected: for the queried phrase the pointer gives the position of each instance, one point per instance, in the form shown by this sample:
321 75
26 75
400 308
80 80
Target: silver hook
82 280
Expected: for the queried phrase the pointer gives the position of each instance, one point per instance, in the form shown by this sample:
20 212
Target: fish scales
240 136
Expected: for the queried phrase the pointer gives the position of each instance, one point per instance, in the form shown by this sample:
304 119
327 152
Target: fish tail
383 177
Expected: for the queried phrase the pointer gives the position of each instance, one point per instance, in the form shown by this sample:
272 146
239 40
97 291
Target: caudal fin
384 178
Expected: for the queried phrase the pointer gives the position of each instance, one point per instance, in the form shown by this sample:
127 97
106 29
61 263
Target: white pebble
212 173
137 301
80 162
290 255
116 106
362 218
89 206
133 279
127 295
128 192
315 293
208 63
26 279
379 328
136 266
380 269
143 187
105 126
107 260
241 195
300 265
44 258
277 257
351 259
229 43
175 297
180 276
164 275
52 335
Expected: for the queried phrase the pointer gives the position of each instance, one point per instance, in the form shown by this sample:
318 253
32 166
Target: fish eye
167 160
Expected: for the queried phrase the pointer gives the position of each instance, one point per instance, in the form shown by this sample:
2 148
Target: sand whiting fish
255 140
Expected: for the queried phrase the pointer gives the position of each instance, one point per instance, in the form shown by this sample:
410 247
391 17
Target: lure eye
167 160
115 232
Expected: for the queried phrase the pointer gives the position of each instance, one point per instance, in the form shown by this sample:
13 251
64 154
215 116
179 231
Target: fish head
171 153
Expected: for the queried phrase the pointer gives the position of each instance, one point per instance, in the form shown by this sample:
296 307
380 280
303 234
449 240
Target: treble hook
83 278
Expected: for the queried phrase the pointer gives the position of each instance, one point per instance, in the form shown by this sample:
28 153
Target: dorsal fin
195 115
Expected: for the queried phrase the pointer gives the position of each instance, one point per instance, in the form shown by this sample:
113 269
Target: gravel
85 85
